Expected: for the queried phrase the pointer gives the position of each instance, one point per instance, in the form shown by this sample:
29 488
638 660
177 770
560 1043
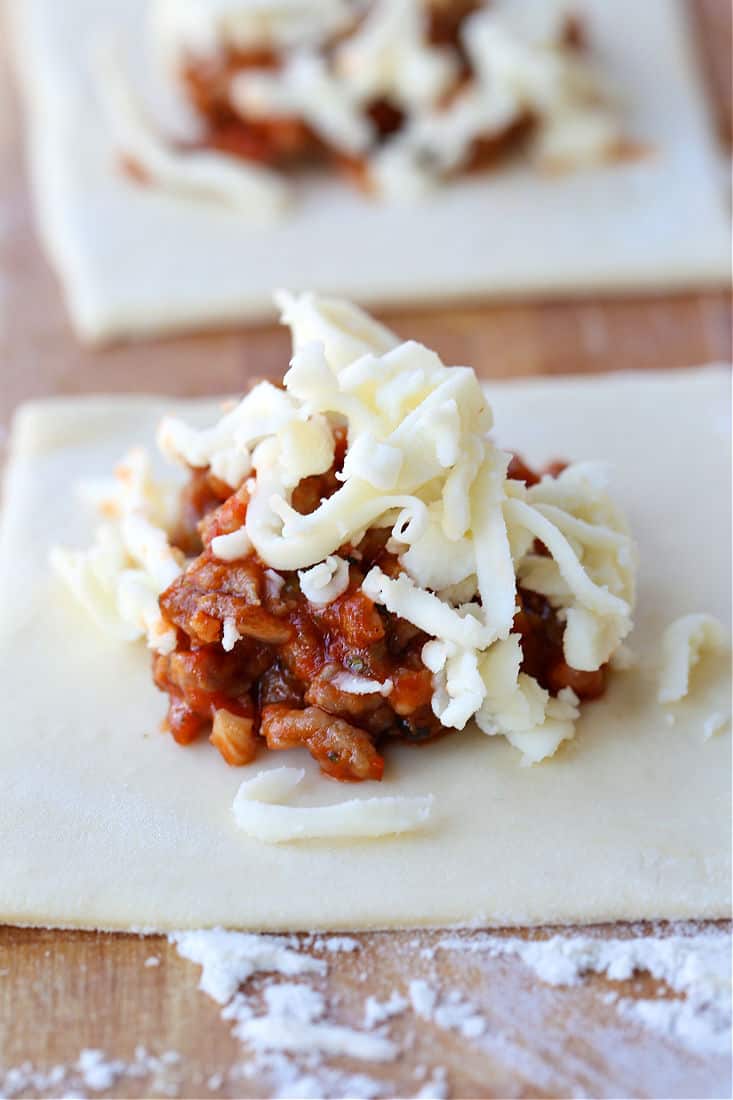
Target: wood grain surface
61 992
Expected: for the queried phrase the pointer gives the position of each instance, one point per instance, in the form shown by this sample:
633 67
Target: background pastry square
134 260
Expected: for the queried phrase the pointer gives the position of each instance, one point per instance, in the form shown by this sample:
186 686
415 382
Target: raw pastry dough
104 822
135 260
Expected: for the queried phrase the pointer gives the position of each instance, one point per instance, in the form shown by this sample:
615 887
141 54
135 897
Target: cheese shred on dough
683 644
257 815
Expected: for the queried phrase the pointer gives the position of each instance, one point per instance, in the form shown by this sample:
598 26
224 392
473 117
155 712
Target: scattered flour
435 1088
272 991
698 966
700 1024
423 998
456 1014
97 1072
451 1012
377 1012
310 1079
285 1024
336 944
293 1022
229 959
26 1078
93 1072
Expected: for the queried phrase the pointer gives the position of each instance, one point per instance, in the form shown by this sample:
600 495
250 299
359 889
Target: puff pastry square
107 823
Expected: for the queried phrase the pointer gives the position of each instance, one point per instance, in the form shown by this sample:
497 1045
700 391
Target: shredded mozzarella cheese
715 723
230 635
361 685
258 816
119 578
231 547
305 88
185 28
463 532
251 189
324 583
683 644
226 447
344 331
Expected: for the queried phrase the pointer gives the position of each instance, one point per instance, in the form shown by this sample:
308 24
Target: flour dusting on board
697 966
289 1018
94 1072
275 995
451 1012
229 959
287 1026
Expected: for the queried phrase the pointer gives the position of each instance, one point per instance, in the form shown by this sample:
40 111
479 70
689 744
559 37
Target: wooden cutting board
61 992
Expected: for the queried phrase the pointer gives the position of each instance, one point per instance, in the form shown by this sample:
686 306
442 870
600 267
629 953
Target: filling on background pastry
398 94
352 560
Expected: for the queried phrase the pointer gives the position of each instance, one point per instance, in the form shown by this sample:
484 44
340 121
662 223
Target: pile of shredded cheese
522 68
420 461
